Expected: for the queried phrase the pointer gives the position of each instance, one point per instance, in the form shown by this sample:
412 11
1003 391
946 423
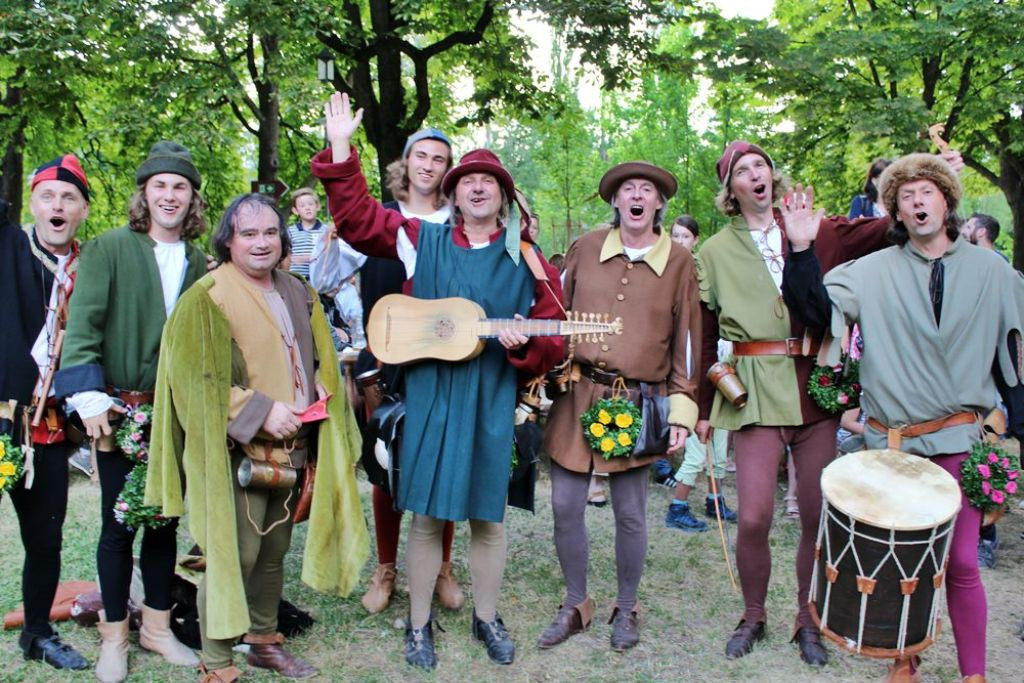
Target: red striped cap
66 168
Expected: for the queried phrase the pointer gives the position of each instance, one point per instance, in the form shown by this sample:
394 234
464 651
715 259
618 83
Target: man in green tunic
128 283
245 353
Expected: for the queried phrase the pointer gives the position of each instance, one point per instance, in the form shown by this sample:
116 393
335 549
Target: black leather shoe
811 649
419 645
743 639
52 651
494 635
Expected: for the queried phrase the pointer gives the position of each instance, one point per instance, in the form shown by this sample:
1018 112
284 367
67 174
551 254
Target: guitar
402 329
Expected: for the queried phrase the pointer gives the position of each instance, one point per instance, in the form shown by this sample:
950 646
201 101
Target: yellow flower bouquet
12 464
611 427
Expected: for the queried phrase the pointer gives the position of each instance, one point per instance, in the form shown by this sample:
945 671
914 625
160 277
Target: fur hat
913 167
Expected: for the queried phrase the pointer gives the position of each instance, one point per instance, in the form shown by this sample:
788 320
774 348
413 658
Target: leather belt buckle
794 348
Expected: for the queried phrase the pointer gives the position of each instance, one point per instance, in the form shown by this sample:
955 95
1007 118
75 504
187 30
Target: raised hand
802 221
340 124
954 159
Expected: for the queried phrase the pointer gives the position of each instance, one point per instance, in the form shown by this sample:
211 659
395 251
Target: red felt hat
733 151
479 161
66 168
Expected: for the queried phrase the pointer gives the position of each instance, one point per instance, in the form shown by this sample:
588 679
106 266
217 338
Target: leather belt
598 376
896 433
131 398
792 347
287 445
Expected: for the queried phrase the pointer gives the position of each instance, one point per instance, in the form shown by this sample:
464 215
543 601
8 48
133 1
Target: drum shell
884 606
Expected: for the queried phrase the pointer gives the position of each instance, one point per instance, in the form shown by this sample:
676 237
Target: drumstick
718 516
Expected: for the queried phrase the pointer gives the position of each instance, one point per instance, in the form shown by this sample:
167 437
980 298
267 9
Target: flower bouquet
133 435
129 508
12 464
988 476
835 389
611 427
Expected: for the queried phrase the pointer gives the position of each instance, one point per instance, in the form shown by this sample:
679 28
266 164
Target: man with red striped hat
38 263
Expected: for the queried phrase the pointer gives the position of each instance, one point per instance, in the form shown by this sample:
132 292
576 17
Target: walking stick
718 516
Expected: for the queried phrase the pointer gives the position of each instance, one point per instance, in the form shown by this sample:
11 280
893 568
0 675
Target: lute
403 329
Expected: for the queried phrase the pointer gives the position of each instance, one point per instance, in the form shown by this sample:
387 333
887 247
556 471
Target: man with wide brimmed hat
933 358
635 271
38 266
128 284
741 276
457 444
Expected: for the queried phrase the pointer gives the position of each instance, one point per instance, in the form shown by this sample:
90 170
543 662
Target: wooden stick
718 515
58 344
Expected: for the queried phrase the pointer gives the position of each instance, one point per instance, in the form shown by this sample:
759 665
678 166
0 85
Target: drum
883 545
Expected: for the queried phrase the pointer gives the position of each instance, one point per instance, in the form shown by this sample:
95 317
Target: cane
718 515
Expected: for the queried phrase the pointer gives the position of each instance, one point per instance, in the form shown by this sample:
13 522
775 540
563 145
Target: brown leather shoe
904 670
743 639
625 629
568 622
266 651
808 638
382 585
447 588
228 674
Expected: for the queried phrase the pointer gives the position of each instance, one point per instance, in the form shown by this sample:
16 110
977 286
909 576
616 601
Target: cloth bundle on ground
189 442
63 604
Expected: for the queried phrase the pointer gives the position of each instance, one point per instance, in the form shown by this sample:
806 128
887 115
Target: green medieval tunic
116 314
914 370
199 366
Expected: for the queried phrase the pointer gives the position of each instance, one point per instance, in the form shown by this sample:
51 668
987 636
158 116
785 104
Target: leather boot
568 621
266 651
155 635
903 670
447 588
382 585
112 664
228 674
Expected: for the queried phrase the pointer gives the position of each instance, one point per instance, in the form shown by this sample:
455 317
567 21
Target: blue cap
425 134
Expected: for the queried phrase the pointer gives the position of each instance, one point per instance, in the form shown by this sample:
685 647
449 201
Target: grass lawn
687 610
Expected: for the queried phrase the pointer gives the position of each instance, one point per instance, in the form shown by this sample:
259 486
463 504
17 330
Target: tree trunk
269 135
1011 181
12 168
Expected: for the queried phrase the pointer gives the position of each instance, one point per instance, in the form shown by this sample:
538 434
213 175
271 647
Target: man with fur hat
457 445
740 271
951 353
635 271
38 265
128 283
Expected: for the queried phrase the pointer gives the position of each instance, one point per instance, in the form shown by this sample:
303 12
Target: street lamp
325 66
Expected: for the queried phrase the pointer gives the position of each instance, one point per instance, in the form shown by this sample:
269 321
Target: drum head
891 489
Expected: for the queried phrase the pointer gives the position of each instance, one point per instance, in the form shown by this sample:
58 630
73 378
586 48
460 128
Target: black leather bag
654 432
385 425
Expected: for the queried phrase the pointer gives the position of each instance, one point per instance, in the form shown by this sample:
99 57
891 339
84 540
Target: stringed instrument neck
492 327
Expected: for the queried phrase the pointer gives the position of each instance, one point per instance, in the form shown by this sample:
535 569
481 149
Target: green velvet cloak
189 444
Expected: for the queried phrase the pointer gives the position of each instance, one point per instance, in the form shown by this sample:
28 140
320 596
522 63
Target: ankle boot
112 664
447 588
228 674
382 585
156 636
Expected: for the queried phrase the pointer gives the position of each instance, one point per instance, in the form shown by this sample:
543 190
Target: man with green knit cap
128 282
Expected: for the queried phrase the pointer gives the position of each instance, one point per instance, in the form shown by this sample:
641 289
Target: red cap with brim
479 161
733 151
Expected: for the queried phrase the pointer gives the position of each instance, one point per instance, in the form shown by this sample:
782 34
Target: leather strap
792 347
896 434
287 445
131 398
598 376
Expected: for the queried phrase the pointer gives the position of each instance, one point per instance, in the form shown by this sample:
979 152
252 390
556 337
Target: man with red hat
38 264
458 433
129 281
635 271
740 271
961 352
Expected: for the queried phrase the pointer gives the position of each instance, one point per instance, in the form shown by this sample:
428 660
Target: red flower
824 380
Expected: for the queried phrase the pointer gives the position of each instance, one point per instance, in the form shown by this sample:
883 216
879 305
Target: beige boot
382 585
228 674
447 588
112 664
156 636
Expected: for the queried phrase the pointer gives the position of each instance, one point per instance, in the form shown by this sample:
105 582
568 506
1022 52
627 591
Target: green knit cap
168 157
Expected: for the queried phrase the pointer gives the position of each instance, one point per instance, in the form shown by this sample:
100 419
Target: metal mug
725 379
265 474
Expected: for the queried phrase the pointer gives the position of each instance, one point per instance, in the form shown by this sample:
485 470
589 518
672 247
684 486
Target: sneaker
662 471
709 508
680 517
81 460
986 554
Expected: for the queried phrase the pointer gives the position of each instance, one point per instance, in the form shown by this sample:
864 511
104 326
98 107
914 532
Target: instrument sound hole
444 329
